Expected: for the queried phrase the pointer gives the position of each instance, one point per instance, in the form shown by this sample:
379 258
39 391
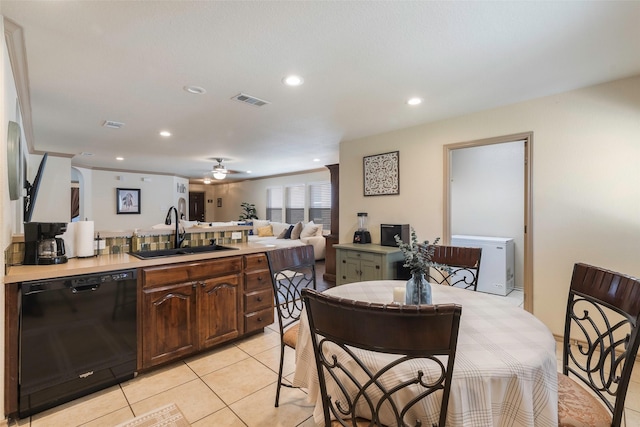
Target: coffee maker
41 246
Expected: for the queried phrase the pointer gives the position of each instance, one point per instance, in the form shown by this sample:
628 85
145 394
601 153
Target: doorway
196 206
450 151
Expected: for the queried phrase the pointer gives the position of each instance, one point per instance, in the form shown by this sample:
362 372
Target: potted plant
249 211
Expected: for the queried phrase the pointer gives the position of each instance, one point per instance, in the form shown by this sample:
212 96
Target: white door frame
527 137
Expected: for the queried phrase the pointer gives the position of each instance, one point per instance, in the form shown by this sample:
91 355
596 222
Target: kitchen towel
84 239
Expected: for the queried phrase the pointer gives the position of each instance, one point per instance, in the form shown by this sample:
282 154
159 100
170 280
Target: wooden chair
292 269
463 263
356 390
602 316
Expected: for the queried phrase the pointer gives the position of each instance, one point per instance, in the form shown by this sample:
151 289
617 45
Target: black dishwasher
77 336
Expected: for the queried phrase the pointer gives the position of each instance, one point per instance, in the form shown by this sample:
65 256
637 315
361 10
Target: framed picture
382 174
127 200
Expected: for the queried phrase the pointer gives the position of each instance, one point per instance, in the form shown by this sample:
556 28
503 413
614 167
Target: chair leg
280 374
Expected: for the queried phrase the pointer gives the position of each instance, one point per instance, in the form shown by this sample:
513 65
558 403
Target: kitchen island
185 303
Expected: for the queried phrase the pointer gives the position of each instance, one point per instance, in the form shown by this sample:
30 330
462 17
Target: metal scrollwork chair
419 342
599 347
463 266
292 269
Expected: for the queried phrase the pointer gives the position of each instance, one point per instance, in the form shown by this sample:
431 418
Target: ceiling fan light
219 175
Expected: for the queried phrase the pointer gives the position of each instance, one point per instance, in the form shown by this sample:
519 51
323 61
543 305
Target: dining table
505 371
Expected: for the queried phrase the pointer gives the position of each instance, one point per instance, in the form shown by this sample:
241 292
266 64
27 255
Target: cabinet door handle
259 319
377 267
344 262
259 278
259 299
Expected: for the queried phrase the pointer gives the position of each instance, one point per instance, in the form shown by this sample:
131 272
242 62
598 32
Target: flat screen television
32 190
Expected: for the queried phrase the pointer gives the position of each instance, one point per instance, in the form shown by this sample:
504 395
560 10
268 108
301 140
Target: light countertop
102 263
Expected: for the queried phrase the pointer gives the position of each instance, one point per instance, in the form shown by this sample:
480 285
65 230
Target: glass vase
418 290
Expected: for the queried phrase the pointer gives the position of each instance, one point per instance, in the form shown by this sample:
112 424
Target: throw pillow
257 223
295 233
282 234
309 230
265 231
287 233
278 227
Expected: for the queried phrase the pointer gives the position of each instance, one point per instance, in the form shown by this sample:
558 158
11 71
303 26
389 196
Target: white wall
7 109
85 180
487 195
157 194
586 202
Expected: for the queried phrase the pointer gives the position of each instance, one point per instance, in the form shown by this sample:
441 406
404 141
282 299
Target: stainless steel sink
180 251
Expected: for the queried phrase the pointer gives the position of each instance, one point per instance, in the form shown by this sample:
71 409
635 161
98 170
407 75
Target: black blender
362 235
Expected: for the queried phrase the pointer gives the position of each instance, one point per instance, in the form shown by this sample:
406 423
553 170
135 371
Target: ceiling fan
219 171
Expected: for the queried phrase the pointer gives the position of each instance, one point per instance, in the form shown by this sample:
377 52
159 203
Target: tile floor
231 386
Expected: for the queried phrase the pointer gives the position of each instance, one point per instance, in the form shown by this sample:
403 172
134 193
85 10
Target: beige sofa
267 232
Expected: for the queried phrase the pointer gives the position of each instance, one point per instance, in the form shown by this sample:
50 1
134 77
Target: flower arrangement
417 256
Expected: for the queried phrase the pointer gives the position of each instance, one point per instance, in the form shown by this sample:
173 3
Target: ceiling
129 61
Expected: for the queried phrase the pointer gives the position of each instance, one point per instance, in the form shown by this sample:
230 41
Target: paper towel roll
84 238
69 237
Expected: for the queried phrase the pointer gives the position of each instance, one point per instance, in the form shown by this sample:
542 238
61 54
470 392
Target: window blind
274 204
320 204
294 209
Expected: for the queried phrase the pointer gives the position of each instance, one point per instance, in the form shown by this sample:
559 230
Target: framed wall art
127 200
382 174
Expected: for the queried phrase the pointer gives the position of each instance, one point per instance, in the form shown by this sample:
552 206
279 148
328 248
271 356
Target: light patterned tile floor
230 386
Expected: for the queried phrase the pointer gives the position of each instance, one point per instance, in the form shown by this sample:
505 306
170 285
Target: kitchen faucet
179 238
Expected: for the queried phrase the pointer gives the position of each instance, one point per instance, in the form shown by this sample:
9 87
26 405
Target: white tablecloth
505 370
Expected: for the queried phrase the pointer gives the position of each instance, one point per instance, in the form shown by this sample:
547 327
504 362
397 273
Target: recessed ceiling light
293 80
316 160
165 133
119 158
249 171
195 90
414 101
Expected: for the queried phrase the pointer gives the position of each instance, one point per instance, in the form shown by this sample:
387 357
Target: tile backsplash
14 254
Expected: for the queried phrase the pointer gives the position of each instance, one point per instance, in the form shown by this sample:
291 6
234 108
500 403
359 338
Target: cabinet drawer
365 256
257 280
186 272
258 319
255 262
258 300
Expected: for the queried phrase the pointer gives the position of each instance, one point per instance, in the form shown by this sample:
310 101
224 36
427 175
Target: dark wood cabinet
333 237
188 307
218 321
258 293
169 323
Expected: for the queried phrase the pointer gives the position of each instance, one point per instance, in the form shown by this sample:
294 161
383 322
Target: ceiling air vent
251 100
111 124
